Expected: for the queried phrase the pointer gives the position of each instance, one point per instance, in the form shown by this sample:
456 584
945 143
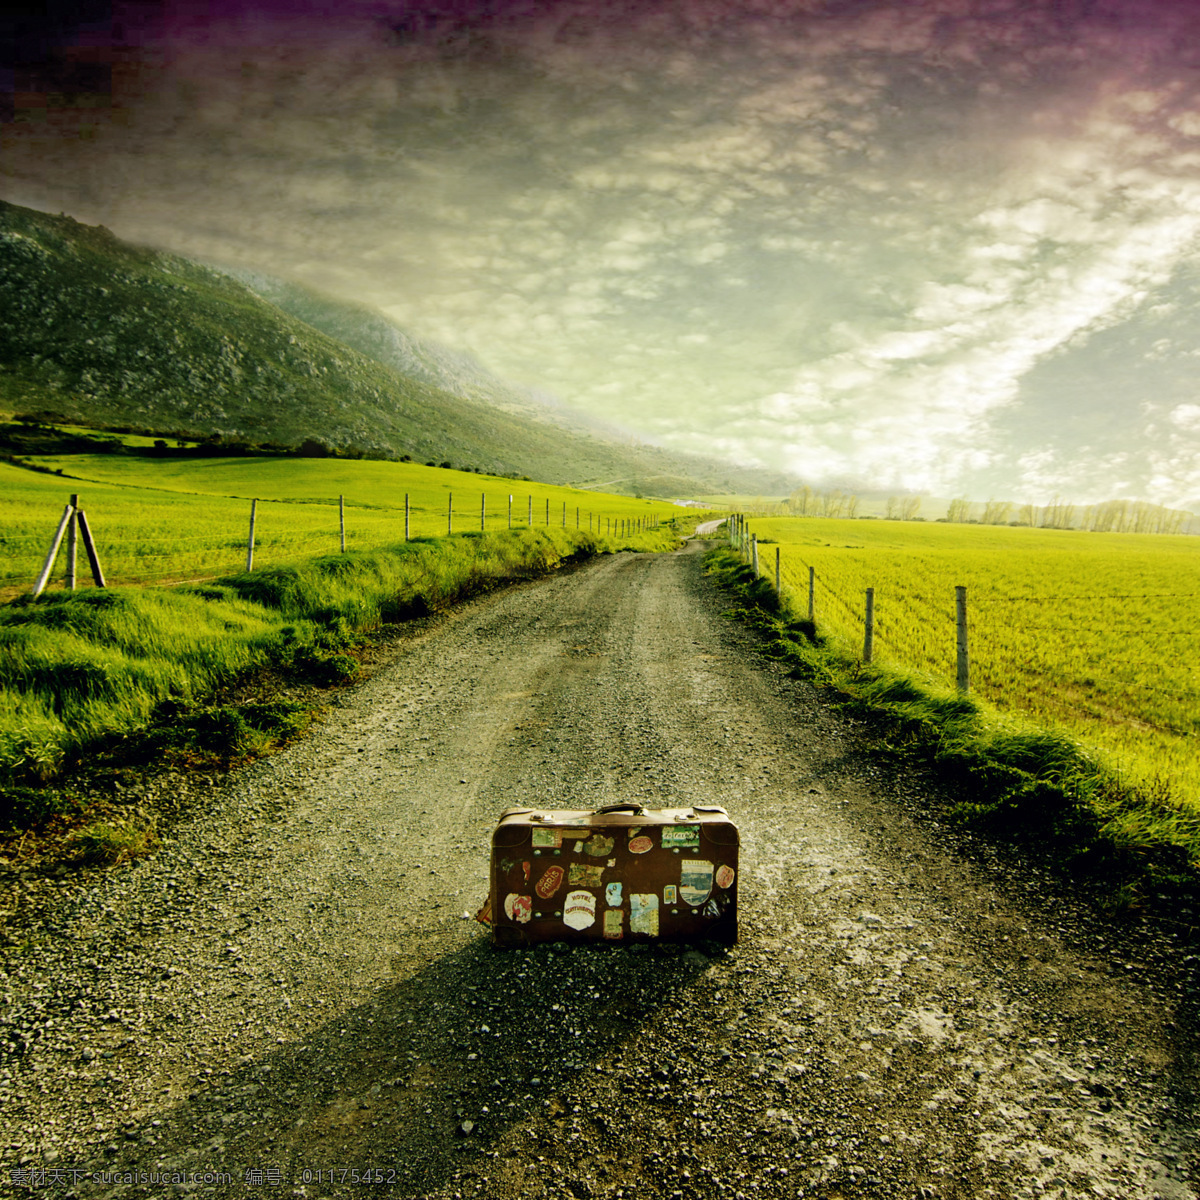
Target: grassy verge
135 675
1035 787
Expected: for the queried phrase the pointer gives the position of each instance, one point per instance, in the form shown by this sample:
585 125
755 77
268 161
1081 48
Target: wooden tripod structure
74 525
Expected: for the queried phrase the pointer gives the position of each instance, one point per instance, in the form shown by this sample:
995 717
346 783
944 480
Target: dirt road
292 992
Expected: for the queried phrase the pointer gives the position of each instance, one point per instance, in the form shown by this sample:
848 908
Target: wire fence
169 538
1119 665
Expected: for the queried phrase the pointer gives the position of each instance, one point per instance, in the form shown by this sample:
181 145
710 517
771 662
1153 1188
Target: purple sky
943 245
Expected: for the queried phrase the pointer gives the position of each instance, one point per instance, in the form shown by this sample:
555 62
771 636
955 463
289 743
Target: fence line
294 536
953 608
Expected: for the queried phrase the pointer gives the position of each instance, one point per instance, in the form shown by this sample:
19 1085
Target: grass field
180 519
1092 632
78 669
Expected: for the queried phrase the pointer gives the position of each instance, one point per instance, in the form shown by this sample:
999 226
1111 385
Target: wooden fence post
964 662
342 520
547 510
778 589
450 513
250 540
754 553
564 525
510 510
482 512
577 516
73 543
812 593
407 515
869 633
530 512
90 546
48 566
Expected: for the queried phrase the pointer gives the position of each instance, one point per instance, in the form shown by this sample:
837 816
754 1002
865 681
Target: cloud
1186 417
855 240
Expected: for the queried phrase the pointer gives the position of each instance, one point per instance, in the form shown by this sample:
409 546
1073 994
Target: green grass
107 843
1091 633
137 671
175 519
80 669
1018 777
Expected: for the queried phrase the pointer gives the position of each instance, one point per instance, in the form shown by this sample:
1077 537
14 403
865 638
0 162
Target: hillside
103 333
376 335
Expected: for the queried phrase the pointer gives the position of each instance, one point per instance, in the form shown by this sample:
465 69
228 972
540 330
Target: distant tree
1133 516
1027 514
996 512
831 503
958 510
312 448
798 502
445 466
1142 517
1058 514
892 510
910 507
851 507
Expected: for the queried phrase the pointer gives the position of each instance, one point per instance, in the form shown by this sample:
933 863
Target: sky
939 245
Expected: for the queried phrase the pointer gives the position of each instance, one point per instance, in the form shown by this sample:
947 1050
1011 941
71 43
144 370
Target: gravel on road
291 997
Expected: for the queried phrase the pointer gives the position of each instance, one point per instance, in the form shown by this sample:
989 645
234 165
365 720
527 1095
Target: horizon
920 247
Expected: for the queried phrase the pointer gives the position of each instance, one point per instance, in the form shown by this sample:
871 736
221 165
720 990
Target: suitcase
622 873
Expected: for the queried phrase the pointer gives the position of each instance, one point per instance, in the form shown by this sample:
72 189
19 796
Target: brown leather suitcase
620 874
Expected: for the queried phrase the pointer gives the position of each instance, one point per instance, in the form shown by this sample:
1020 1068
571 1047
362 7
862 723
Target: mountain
107 334
376 335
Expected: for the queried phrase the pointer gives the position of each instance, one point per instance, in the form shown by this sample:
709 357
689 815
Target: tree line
1110 516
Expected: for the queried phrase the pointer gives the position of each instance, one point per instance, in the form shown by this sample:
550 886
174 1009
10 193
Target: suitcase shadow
476 1054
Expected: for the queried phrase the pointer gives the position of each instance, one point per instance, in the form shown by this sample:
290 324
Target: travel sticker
670 894
612 894
643 913
724 875
681 837
639 845
711 909
598 846
547 837
585 875
550 882
696 881
579 911
613 920
518 908
525 867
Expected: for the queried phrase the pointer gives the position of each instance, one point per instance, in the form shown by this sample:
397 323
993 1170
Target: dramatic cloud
941 245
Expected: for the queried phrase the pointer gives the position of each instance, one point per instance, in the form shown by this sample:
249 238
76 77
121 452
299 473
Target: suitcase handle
626 806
